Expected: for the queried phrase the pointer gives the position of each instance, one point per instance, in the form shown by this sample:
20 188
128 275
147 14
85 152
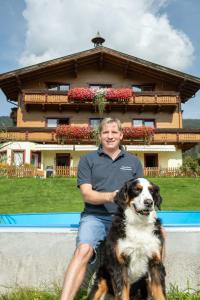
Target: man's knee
84 252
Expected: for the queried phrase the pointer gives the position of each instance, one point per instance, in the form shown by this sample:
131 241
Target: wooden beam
100 63
75 68
126 69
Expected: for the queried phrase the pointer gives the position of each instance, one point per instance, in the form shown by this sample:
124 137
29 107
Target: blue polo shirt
107 175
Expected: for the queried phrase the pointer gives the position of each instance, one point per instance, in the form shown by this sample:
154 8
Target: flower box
91 94
81 94
144 133
68 132
118 95
64 132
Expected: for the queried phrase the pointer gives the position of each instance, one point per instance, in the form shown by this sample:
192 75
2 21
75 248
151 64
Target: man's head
110 134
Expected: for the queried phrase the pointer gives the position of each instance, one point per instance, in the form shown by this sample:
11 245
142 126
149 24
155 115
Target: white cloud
59 27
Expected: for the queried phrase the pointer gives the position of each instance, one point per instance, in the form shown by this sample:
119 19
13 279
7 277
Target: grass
39 195
61 194
33 294
24 195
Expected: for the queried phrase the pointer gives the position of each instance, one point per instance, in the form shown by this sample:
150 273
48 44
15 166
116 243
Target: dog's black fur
113 277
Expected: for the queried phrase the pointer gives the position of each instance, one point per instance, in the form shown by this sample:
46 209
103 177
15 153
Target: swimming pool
71 220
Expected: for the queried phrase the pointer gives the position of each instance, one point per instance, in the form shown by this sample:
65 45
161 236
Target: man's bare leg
76 271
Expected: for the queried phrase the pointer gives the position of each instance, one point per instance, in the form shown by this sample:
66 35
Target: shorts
93 230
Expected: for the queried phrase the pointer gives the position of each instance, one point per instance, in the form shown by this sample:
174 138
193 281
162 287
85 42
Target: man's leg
92 230
76 270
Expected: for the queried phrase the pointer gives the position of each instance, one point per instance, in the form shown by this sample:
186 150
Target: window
3 157
58 87
143 88
36 159
54 122
143 122
95 122
18 157
100 86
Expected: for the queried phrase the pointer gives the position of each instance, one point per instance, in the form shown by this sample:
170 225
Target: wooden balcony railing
52 97
47 135
177 137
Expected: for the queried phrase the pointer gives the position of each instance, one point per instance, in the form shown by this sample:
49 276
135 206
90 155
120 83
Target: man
100 175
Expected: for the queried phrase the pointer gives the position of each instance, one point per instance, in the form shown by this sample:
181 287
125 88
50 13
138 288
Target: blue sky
161 31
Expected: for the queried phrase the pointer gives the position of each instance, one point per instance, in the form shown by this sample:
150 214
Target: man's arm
94 197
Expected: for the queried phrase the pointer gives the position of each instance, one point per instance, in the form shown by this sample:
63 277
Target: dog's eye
151 191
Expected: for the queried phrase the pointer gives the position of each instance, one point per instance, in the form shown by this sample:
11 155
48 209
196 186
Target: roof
12 82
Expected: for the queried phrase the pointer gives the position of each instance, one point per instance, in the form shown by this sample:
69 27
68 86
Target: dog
132 266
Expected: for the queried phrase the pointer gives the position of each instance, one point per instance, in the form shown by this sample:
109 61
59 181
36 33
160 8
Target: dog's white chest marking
139 245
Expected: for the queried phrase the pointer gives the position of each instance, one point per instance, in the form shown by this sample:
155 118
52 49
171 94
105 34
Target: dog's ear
121 197
124 194
156 196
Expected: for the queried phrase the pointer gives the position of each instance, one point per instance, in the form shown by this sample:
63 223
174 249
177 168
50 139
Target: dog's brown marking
155 286
139 187
157 292
102 289
120 256
125 292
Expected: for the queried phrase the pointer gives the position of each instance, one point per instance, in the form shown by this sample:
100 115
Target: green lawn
61 194
31 294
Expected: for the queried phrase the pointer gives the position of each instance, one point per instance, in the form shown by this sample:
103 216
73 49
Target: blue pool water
71 220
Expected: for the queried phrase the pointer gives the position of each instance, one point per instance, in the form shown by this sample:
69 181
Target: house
53 109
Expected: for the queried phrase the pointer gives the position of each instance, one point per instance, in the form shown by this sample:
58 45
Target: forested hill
191 123
6 121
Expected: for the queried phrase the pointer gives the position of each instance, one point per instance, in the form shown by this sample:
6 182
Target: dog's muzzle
148 207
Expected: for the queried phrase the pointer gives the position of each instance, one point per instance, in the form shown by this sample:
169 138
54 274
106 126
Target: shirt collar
100 151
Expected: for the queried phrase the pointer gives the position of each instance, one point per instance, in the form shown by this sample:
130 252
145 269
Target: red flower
73 132
111 94
118 94
81 94
142 132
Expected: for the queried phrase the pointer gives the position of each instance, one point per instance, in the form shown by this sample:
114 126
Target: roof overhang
85 147
49 147
151 148
12 82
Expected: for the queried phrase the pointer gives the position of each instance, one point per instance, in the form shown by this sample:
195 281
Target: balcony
185 138
140 101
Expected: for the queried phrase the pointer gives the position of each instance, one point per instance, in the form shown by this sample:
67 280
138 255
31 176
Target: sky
162 31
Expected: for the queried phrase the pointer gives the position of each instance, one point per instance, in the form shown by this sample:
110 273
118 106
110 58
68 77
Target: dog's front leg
99 290
120 284
157 279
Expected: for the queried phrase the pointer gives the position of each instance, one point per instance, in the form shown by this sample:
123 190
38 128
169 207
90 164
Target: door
150 160
62 159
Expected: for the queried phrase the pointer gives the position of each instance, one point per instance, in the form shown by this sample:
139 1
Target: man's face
110 136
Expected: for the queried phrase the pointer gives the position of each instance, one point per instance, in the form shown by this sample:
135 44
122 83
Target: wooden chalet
43 104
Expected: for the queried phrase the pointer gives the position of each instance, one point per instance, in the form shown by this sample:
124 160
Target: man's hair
108 121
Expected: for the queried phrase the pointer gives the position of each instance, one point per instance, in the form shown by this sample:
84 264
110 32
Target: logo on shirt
126 168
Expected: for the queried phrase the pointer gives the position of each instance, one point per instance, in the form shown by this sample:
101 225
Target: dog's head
140 195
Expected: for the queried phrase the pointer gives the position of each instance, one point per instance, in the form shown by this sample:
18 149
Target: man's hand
94 197
112 195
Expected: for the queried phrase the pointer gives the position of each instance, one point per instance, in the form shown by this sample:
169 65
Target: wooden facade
41 94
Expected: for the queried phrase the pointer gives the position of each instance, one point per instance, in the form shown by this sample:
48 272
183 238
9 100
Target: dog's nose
148 202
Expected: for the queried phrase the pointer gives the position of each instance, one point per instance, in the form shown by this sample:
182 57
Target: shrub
190 167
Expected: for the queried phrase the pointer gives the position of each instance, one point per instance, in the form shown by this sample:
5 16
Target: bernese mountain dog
132 266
